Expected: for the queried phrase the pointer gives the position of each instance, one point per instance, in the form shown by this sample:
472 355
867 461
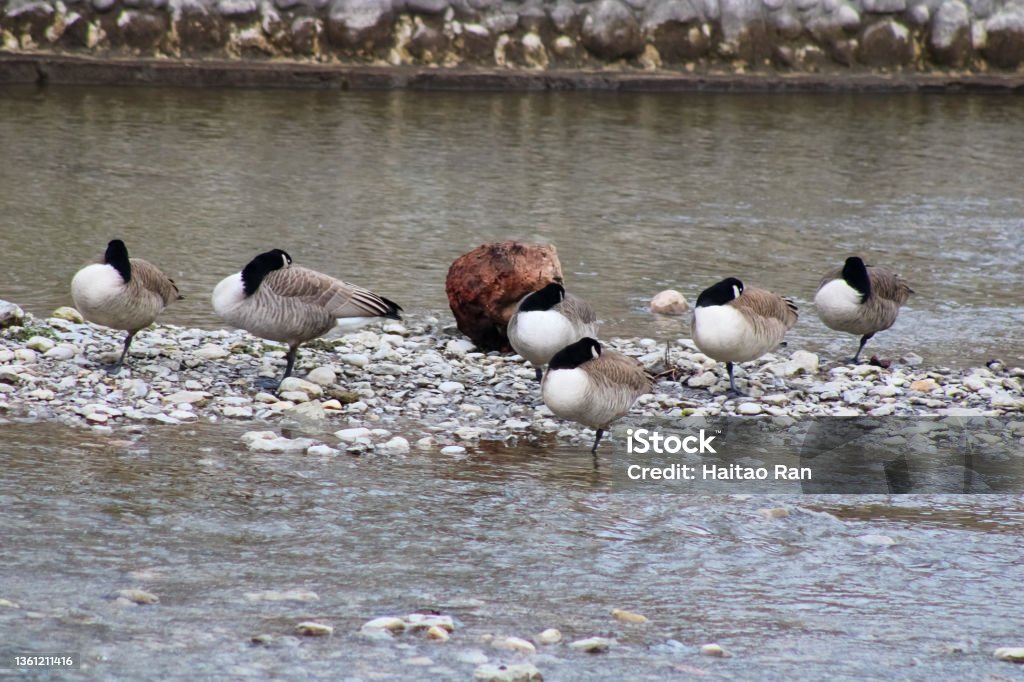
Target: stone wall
686 36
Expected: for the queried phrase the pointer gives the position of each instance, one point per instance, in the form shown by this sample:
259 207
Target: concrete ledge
56 69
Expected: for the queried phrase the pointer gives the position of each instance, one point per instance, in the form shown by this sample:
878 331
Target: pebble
298 595
137 596
549 636
322 451
268 441
519 672
1013 654
67 313
715 651
313 629
351 435
593 645
211 351
437 633
628 617
388 624
297 385
669 302
450 386
453 450
513 644
749 408
322 376
395 445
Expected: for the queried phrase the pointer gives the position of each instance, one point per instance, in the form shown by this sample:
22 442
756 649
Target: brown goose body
122 293
860 299
733 323
593 386
275 300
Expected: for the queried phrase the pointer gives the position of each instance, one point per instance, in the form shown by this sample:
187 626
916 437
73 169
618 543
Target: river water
639 193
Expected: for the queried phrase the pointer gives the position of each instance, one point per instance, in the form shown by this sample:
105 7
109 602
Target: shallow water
639 193
506 542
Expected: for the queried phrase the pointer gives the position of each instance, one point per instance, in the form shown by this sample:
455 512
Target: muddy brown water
639 193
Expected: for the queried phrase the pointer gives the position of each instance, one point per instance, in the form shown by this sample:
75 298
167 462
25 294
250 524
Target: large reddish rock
484 285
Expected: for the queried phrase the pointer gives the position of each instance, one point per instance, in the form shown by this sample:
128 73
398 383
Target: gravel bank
419 384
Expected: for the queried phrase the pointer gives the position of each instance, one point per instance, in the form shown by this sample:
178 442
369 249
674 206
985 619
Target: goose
736 324
548 320
275 300
590 385
122 293
860 299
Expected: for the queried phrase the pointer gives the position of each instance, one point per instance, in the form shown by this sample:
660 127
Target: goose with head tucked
733 323
548 320
122 293
592 385
860 299
278 301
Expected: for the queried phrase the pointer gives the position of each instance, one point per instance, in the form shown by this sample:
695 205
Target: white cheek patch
736 291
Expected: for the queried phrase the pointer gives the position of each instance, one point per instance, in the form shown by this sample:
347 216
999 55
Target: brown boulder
484 286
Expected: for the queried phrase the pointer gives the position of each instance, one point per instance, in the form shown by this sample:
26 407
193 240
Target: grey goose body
548 320
733 323
120 292
275 300
592 385
860 299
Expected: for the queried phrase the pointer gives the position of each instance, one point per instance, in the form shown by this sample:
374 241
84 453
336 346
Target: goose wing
150 278
338 298
761 304
578 310
886 283
618 372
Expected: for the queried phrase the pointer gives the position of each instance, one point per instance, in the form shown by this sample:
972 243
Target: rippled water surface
639 193
507 542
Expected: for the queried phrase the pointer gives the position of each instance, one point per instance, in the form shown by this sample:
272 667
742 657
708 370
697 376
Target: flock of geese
584 381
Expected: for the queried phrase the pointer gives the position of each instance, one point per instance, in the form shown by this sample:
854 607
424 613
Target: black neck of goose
576 354
116 256
261 266
543 299
720 293
855 273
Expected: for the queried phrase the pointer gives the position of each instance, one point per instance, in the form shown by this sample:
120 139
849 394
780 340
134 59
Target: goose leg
540 373
597 439
272 384
863 340
116 367
732 382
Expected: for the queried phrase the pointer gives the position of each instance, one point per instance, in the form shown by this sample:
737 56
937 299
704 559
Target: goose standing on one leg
736 324
547 321
593 386
275 300
860 299
122 293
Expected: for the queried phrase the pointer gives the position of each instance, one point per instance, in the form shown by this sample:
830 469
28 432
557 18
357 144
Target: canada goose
275 300
736 324
547 321
593 386
122 293
860 299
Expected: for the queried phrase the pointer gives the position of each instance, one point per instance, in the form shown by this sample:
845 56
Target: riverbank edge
60 69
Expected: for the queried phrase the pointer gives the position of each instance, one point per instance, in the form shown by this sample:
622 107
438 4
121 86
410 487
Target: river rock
886 44
484 286
1013 654
10 315
68 313
395 446
268 441
611 31
360 27
211 351
624 616
384 624
669 302
322 376
314 629
549 636
137 596
513 644
518 672
295 384
949 39
715 651
1004 45
593 645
